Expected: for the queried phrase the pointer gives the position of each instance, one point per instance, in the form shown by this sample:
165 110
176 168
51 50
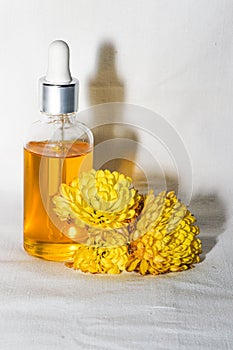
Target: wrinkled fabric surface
45 305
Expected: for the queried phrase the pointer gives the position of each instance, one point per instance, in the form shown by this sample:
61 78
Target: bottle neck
68 118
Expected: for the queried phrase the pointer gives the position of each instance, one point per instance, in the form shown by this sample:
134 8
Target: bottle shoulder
58 129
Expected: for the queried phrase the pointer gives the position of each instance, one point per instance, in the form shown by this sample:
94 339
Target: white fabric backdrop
44 305
174 58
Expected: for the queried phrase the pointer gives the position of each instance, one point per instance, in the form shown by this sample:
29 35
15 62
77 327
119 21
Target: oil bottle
57 150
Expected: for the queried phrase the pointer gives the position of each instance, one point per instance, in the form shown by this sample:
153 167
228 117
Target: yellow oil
46 166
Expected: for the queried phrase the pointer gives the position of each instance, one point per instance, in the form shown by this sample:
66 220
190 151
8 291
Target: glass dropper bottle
57 150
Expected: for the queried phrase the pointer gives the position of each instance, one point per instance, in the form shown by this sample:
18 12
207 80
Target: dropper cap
58 90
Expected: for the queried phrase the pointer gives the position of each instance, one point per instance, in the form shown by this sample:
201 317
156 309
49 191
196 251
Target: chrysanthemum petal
100 199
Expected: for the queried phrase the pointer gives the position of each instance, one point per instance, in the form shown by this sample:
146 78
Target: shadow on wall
209 210
113 132
106 87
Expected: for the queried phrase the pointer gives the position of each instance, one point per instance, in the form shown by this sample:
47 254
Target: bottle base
61 252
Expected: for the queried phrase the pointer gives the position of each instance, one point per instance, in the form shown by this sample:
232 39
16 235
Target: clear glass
58 149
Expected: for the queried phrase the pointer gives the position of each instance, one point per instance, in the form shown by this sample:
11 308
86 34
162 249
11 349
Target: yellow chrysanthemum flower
100 260
98 202
170 243
107 191
117 230
165 241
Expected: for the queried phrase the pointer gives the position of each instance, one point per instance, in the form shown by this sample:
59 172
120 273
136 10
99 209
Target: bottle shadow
107 87
118 144
210 211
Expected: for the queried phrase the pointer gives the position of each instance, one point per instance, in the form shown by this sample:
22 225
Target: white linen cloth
45 305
